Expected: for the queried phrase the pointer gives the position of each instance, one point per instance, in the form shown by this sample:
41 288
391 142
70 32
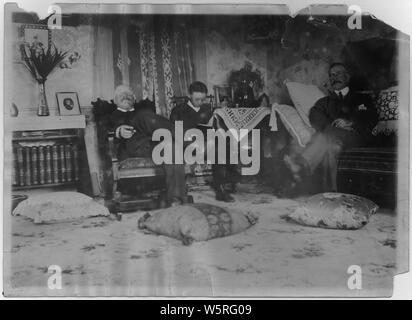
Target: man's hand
125 131
343 124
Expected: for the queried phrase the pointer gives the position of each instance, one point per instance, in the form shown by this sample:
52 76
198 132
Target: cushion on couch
334 211
387 108
304 97
293 122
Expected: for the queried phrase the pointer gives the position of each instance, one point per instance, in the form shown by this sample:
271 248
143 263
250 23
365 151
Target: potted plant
244 83
41 62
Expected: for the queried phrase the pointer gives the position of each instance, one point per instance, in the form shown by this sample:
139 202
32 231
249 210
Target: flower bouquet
41 62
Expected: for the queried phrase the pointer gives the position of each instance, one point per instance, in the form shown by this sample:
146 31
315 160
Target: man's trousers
324 149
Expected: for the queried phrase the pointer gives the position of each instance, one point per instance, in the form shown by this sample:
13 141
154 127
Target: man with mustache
342 120
134 124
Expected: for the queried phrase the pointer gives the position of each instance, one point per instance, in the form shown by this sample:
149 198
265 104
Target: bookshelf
45 151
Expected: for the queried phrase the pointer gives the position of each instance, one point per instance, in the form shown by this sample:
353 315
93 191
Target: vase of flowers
42 107
41 62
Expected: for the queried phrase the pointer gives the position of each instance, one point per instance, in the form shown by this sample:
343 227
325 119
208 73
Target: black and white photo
68 103
204 151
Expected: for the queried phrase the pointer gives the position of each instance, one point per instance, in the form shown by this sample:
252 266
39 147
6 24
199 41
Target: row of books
48 164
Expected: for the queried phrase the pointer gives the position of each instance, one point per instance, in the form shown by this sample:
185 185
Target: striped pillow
294 123
304 97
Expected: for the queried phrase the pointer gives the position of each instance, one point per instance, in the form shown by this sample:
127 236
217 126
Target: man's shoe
175 202
222 195
230 187
187 199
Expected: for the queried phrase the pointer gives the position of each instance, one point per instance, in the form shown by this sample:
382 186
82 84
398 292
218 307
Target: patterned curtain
166 62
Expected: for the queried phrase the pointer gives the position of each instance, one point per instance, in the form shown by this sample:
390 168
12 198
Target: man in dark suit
134 125
194 112
342 120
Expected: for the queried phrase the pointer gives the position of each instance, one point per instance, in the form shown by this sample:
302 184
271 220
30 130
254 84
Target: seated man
134 126
196 112
342 120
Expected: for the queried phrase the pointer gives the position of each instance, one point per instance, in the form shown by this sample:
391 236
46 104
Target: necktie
340 95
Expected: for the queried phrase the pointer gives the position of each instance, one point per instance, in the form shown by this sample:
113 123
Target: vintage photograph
68 103
218 151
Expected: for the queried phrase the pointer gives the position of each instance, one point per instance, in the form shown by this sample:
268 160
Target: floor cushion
334 211
195 222
59 206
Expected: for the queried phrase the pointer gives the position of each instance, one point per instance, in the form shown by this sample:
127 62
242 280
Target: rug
102 256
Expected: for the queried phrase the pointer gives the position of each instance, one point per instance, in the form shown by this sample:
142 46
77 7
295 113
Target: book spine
48 164
34 165
20 163
15 171
62 162
76 162
69 159
27 165
55 157
42 165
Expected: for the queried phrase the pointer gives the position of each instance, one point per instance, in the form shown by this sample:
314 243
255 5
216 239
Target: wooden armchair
131 168
116 170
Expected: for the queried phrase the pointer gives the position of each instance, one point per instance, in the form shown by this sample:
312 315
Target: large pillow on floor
304 97
195 222
59 206
334 211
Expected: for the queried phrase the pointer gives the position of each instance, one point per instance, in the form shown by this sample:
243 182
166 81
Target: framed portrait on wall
68 103
33 33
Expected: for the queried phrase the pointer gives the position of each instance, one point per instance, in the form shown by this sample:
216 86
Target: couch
369 171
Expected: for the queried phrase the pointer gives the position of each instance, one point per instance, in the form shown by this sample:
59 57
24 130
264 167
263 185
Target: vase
14 111
42 108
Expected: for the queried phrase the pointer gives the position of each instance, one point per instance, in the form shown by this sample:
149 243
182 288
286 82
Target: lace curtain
159 60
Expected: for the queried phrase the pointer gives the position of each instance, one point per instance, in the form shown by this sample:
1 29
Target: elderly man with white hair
134 124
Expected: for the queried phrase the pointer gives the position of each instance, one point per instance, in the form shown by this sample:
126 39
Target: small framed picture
68 103
33 34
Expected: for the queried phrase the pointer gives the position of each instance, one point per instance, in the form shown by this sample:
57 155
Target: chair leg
114 189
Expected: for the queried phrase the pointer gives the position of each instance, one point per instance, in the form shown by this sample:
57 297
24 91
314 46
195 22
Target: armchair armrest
113 154
112 146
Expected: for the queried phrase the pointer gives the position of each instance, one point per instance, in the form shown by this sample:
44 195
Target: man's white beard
126 104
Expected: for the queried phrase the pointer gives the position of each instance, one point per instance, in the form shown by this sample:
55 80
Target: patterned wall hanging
166 65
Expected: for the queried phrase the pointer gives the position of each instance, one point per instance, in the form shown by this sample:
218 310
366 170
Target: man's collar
344 91
122 110
190 104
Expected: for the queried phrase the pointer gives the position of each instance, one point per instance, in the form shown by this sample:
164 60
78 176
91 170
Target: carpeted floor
101 256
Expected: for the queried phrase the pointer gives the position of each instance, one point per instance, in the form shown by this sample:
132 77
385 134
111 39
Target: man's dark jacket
145 121
355 107
190 117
